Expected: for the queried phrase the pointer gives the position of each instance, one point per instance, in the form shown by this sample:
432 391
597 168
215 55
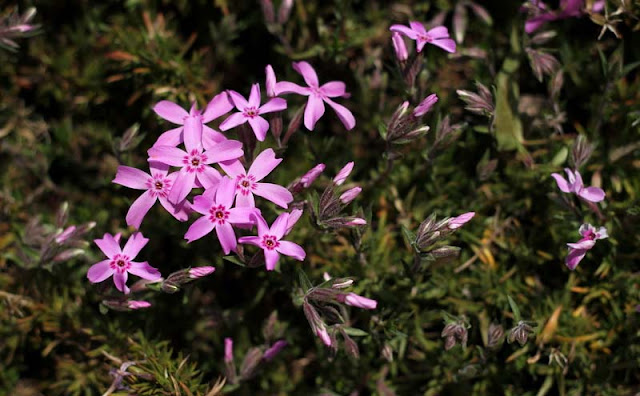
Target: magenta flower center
120 263
245 184
195 161
316 91
270 242
218 214
159 186
250 112
425 37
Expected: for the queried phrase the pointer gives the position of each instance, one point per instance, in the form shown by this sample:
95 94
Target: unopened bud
64 235
425 106
495 335
267 10
199 272
520 333
350 195
350 346
387 352
228 349
284 11
341 283
294 216
275 124
138 304
445 252
581 151
399 47
67 255
274 350
343 174
324 336
461 220
355 221
250 362
270 83
311 175
358 301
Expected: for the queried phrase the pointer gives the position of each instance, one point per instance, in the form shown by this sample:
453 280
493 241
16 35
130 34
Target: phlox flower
438 36
318 96
215 206
251 111
357 301
157 186
576 186
194 164
269 240
192 124
578 250
248 182
119 262
567 9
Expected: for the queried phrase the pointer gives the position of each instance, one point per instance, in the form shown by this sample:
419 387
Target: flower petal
241 215
238 100
344 114
271 259
233 121
225 192
561 182
202 203
574 257
178 212
210 137
219 105
274 193
170 111
192 133
108 245
99 271
198 229
313 111
448 45
286 87
144 270
131 177
139 209
334 89
209 177
260 127
438 32
263 164
307 72
233 168
593 194
294 216
583 244
120 280
224 151
254 96
135 243
245 201
279 226
407 31
251 240
263 227
167 155
292 250
418 27
275 104
227 237
172 137
182 186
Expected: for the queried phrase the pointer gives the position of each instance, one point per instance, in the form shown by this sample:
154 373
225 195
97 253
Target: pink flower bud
271 82
360 302
228 350
284 11
461 220
356 221
425 106
311 175
324 336
64 235
342 283
294 216
135 304
326 276
274 350
343 174
400 47
350 195
199 272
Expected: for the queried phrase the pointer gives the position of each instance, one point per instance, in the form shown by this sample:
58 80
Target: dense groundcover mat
288 197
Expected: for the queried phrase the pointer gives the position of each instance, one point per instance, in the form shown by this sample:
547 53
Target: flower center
120 263
218 214
245 184
270 242
195 161
425 37
250 112
159 185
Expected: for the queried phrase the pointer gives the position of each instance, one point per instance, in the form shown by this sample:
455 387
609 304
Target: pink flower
137 304
578 250
194 165
350 195
357 301
119 263
269 240
199 272
228 350
248 182
438 36
157 186
576 186
251 110
318 96
399 47
461 220
343 173
311 175
425 106
274 350
567 9
219 215
192 128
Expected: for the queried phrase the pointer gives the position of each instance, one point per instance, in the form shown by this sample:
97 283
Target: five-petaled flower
215 206
192 130
251 111
578 250
576 186
157 186
119 262
438 36
318 96
248 182
194 163
269 240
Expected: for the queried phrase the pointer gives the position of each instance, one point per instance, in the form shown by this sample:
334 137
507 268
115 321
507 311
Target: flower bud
199 272
324 335
66 234
294 216
284 11
311 175
228 349
275 124
399 47
495 335
267 10
454 332
445 252
387 352
270 83
67 255
341 283
350 195
459 221
343 174
274 350
358 301
350 346
425 106
229 365
250 363
581 151
520 333
137 304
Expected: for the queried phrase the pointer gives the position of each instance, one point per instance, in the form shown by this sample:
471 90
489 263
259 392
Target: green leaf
234 259
514 308
560 157
352 331
305 283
